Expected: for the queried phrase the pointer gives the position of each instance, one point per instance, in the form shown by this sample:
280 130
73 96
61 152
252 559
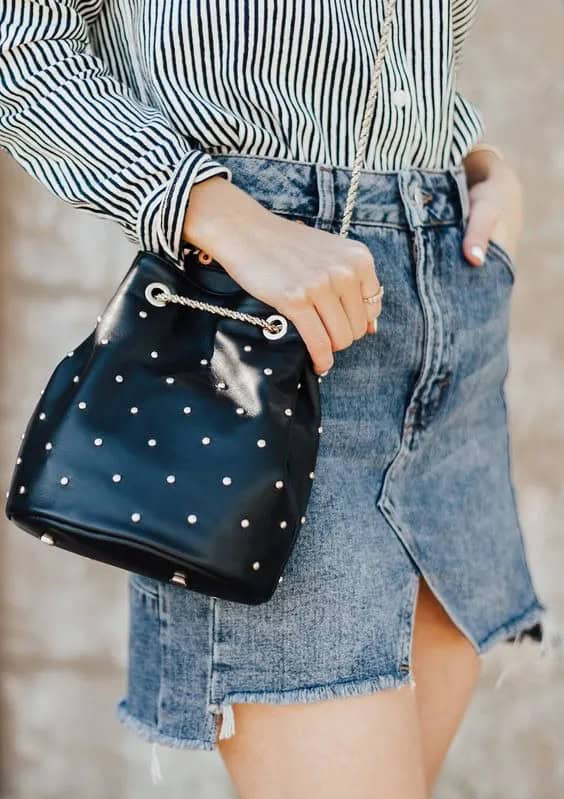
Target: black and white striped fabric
118 106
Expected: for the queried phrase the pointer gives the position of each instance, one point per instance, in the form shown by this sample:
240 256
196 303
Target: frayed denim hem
312 693
516 627
151 733
343 689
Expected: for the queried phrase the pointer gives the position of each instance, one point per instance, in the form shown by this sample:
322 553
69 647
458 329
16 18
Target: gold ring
375 297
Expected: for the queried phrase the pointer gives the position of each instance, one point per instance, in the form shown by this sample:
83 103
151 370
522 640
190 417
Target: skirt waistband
405 198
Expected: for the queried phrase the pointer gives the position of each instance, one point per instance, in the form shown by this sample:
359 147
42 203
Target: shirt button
400 98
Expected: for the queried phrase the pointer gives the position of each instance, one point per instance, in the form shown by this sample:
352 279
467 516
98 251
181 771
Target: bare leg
446 668
358 747
389 744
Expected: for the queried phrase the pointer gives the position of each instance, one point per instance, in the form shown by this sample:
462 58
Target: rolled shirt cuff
161 217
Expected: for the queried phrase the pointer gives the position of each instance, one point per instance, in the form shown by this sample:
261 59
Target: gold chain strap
275 326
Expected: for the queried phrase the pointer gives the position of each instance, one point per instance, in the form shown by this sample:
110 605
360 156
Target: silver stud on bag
178 578
256 565
135 517
152 442
247 348
192 518
143 314
75 379
186 410
299 385
226 481
240 411
171 479
311 475
154 354
104 341
64 481
119 378
48 446
283 525
18 461
42 416
21 490
116 478
70 354
82 405
98 442
261 442
47 539
221 385
170 380
279 484
267 370
204 362
245 522
302 520
206 440
320 429
288 411
133 410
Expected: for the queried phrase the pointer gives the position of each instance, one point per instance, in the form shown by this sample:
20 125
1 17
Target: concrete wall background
64 618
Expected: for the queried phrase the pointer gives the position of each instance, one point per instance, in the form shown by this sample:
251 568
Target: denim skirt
413 479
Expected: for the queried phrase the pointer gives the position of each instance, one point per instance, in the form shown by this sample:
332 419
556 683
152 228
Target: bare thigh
359 747
388 744
446 669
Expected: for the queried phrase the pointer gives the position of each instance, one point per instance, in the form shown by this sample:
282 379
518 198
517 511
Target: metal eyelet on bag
282 330
178 578
153 289
204 257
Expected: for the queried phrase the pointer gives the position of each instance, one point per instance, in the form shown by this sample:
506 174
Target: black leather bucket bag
176 443
179 439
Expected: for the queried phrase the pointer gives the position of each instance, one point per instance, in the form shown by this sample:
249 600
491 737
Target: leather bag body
174 442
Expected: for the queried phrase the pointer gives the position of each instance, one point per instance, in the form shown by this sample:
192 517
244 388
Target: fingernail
478 253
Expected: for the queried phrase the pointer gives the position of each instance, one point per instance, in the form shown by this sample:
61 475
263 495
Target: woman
220 126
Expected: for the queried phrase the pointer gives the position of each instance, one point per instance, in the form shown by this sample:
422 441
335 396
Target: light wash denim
413 478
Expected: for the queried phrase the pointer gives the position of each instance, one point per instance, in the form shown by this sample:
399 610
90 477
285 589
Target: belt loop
326 195
458 174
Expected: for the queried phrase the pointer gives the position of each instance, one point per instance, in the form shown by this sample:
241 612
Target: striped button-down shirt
118 106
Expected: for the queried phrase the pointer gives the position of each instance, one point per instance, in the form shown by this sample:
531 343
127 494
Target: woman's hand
496 206
314 278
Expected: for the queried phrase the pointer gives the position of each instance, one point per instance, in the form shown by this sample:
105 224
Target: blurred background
64 619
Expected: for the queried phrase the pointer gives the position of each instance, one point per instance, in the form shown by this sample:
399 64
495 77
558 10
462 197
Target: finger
370 285
355 309
335 319
312 330
484 215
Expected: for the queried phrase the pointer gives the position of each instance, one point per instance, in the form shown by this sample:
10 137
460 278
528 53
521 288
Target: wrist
216 206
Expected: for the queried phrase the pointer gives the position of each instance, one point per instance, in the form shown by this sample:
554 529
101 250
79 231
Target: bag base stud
46 538
179 579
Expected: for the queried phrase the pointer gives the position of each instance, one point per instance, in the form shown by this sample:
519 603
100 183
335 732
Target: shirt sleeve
83 134
468 128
